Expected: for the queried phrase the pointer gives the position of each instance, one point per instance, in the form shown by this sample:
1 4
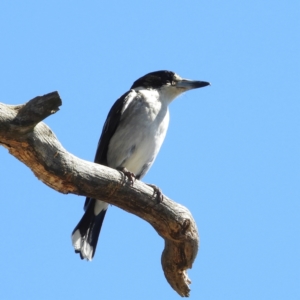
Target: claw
157 192
129 175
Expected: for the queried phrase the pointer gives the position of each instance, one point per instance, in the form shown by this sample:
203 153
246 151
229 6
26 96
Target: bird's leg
157 192
129 175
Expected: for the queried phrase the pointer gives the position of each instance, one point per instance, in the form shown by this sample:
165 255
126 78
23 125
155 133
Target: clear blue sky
231 154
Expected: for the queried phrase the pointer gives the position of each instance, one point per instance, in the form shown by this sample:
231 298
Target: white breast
140 134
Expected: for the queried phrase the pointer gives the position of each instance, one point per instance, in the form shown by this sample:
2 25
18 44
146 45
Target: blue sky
231 154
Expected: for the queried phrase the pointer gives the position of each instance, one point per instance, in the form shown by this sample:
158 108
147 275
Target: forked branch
33 143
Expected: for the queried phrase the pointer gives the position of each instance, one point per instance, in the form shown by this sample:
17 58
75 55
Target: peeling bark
34 144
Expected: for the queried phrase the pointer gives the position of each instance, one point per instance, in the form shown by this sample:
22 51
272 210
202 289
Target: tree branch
34 144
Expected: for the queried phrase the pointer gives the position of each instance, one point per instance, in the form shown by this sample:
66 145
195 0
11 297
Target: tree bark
33 143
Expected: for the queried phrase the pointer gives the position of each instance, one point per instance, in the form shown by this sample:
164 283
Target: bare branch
34 144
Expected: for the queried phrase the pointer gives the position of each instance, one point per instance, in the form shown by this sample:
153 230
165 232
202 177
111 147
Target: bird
131 138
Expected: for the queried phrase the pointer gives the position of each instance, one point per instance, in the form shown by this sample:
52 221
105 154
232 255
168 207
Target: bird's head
168 83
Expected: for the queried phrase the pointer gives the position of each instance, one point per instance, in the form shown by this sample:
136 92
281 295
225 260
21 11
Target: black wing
109 128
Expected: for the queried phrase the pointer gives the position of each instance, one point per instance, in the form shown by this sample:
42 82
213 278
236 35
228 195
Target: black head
155 79
171 80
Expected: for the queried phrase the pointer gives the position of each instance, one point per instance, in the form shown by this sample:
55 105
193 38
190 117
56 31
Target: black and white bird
132 135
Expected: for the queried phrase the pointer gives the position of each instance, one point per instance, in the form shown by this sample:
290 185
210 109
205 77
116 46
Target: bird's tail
86 233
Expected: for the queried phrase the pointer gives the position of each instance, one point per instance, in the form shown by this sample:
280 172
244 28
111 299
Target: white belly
139 136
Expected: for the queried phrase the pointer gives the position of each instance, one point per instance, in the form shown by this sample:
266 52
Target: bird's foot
129 175
157 192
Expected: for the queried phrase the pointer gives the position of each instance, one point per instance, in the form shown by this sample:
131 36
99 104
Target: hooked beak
187 84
